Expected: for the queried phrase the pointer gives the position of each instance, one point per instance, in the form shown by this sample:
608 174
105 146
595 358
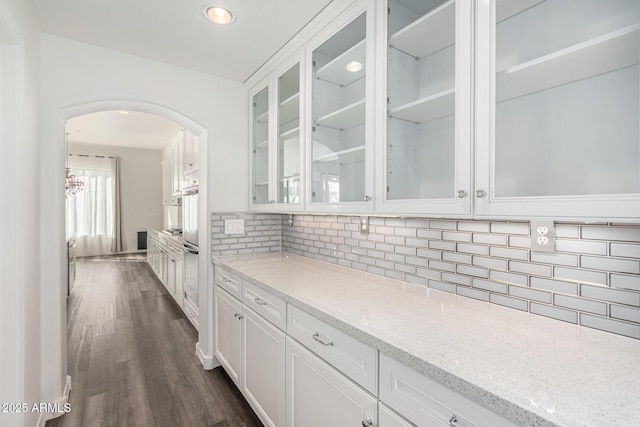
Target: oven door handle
192 249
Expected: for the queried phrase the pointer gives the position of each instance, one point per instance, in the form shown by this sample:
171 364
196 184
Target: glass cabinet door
260 147
562 105
339 109
289 140
427 150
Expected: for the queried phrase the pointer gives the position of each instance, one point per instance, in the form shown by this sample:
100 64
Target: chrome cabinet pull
240 317
367 422
259 301
236 315
461 194
453 421
316 337
480 193
226 280
367 198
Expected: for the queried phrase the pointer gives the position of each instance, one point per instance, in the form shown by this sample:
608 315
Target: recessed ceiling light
219 15
126 113
353 66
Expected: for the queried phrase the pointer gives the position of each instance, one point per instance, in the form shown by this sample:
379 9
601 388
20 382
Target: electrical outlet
364 225
234 226
290 220
543 236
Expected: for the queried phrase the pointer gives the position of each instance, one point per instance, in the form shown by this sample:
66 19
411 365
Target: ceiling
136 130
176 31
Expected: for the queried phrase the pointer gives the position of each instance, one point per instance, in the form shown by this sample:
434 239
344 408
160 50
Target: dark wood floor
131 356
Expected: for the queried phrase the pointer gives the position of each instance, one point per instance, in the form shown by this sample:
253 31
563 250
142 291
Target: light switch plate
234 226
543 236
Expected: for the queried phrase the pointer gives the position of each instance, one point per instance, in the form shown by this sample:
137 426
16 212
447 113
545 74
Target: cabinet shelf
609 52
441 104
350 155
262 145
290 108
429 34
507 8
291 133
263 118
345 118
336 72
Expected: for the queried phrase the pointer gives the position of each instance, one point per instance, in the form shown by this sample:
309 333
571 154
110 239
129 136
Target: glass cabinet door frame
612 207
460 203
268 84
297 58
352 207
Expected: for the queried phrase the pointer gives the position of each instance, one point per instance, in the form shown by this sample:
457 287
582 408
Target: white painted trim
208 361
46 416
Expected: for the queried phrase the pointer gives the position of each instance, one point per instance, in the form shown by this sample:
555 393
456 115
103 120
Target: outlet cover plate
543 236
234 226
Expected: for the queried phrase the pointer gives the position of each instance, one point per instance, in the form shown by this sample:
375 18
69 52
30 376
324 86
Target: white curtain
90 212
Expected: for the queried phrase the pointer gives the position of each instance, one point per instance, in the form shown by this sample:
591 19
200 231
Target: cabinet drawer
262 302
388 418
426 402
192 313
228 281
353 358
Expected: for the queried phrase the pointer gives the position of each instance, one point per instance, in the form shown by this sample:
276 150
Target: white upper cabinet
341 149
277 141
424 141
557 115
260 133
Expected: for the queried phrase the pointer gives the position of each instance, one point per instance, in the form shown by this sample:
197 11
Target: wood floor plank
131 355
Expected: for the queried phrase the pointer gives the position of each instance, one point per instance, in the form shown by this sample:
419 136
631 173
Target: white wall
141 186
20 375
76 74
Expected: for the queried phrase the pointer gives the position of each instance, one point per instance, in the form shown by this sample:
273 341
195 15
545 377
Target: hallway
131 355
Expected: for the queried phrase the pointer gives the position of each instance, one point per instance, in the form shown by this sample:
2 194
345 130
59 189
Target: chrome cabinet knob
461 194
367 422
367 198
480 193
453 421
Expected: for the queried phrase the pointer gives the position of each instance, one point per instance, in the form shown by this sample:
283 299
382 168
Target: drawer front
192 313
388 418
426 402
228 281
262 302
356 360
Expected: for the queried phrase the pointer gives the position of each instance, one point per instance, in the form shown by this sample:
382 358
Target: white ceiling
176 32
138 130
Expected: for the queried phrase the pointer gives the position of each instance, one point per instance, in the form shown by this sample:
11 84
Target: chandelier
73 184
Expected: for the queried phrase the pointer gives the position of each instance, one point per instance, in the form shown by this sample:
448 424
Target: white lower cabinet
227 332
252 351
388 418
263 367
427 403
320 396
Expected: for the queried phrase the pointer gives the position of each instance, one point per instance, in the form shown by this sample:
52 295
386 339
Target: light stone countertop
530 369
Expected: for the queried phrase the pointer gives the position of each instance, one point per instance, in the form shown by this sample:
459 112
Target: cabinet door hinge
254 198
254 151
313 63
313 129
388 10
388 100
387 188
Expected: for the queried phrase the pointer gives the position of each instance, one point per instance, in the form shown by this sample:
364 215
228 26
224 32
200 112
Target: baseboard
59 403
208 362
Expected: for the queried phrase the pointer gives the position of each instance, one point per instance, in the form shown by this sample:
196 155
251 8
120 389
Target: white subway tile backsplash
510 228
625 313
493 263
611 295
582 276
581 247
518 304
473 293
490 239
490 286
554 285
530 294
608 325
554 312
509 253
625 282
625 250
510 278
486 260
623 234
528 268
610 264
580 304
